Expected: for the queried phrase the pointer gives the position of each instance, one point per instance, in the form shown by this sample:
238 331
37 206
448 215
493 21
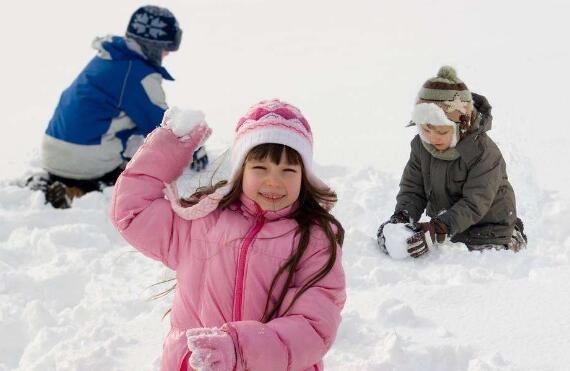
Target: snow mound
75 295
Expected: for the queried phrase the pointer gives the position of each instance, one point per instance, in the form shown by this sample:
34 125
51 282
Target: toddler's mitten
399 217
426 235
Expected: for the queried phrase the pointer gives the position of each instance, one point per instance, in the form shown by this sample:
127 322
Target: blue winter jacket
116 100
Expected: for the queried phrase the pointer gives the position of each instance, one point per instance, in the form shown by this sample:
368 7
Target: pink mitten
188 125
212 349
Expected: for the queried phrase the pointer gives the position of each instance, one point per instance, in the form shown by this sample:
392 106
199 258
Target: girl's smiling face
272 186
439 136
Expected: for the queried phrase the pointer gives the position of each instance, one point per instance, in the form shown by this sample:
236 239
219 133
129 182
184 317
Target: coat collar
117 48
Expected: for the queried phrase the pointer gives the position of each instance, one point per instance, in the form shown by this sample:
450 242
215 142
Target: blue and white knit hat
156 30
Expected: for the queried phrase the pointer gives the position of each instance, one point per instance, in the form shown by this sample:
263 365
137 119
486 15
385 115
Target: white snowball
181 122
396 235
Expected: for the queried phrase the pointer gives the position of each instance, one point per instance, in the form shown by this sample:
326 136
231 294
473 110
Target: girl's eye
258 167
290 170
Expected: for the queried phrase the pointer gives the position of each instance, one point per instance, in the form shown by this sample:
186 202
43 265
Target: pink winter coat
224 265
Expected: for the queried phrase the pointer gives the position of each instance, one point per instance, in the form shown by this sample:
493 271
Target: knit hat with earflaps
156 30
269 121
444 100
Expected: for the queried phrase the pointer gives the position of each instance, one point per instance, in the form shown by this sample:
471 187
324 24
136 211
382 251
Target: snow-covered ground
75 296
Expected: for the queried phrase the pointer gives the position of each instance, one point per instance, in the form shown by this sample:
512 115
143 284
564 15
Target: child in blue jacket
104 115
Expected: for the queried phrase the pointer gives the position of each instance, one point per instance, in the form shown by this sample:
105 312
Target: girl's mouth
271 196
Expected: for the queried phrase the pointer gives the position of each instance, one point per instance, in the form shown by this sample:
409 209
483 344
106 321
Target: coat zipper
240 272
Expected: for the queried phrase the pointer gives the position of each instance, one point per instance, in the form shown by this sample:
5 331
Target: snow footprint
397 313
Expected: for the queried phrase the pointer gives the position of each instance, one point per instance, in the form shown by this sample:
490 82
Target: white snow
75 296
395 240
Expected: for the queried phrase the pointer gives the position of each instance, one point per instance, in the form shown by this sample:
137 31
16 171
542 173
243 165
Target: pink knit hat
269 121
274 121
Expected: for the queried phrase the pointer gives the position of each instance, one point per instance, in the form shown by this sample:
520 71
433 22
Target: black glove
426 235
397 218
199 159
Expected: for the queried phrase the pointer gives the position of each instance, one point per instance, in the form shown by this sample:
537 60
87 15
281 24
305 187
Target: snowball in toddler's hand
181 122
396 236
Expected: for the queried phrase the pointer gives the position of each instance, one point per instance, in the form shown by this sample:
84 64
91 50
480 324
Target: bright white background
71 295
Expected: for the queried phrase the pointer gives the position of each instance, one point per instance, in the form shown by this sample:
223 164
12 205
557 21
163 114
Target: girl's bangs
273 151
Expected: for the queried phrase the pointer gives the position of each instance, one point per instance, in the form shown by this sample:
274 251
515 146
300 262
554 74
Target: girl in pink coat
260 284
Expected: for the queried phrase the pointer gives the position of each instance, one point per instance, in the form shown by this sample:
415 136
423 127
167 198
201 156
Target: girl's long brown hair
309 214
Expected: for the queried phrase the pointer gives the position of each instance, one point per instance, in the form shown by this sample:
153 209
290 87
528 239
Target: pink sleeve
138 208
301 338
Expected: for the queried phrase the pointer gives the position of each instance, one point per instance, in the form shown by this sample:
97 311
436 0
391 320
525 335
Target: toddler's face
439 136
272 186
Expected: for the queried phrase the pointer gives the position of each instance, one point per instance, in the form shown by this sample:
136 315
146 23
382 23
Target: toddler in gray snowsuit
456 173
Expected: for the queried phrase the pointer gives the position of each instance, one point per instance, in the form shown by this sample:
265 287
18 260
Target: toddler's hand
212 349
426 235
380 238
399 217
188 125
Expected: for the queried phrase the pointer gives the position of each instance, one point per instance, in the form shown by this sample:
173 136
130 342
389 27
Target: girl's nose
272 180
